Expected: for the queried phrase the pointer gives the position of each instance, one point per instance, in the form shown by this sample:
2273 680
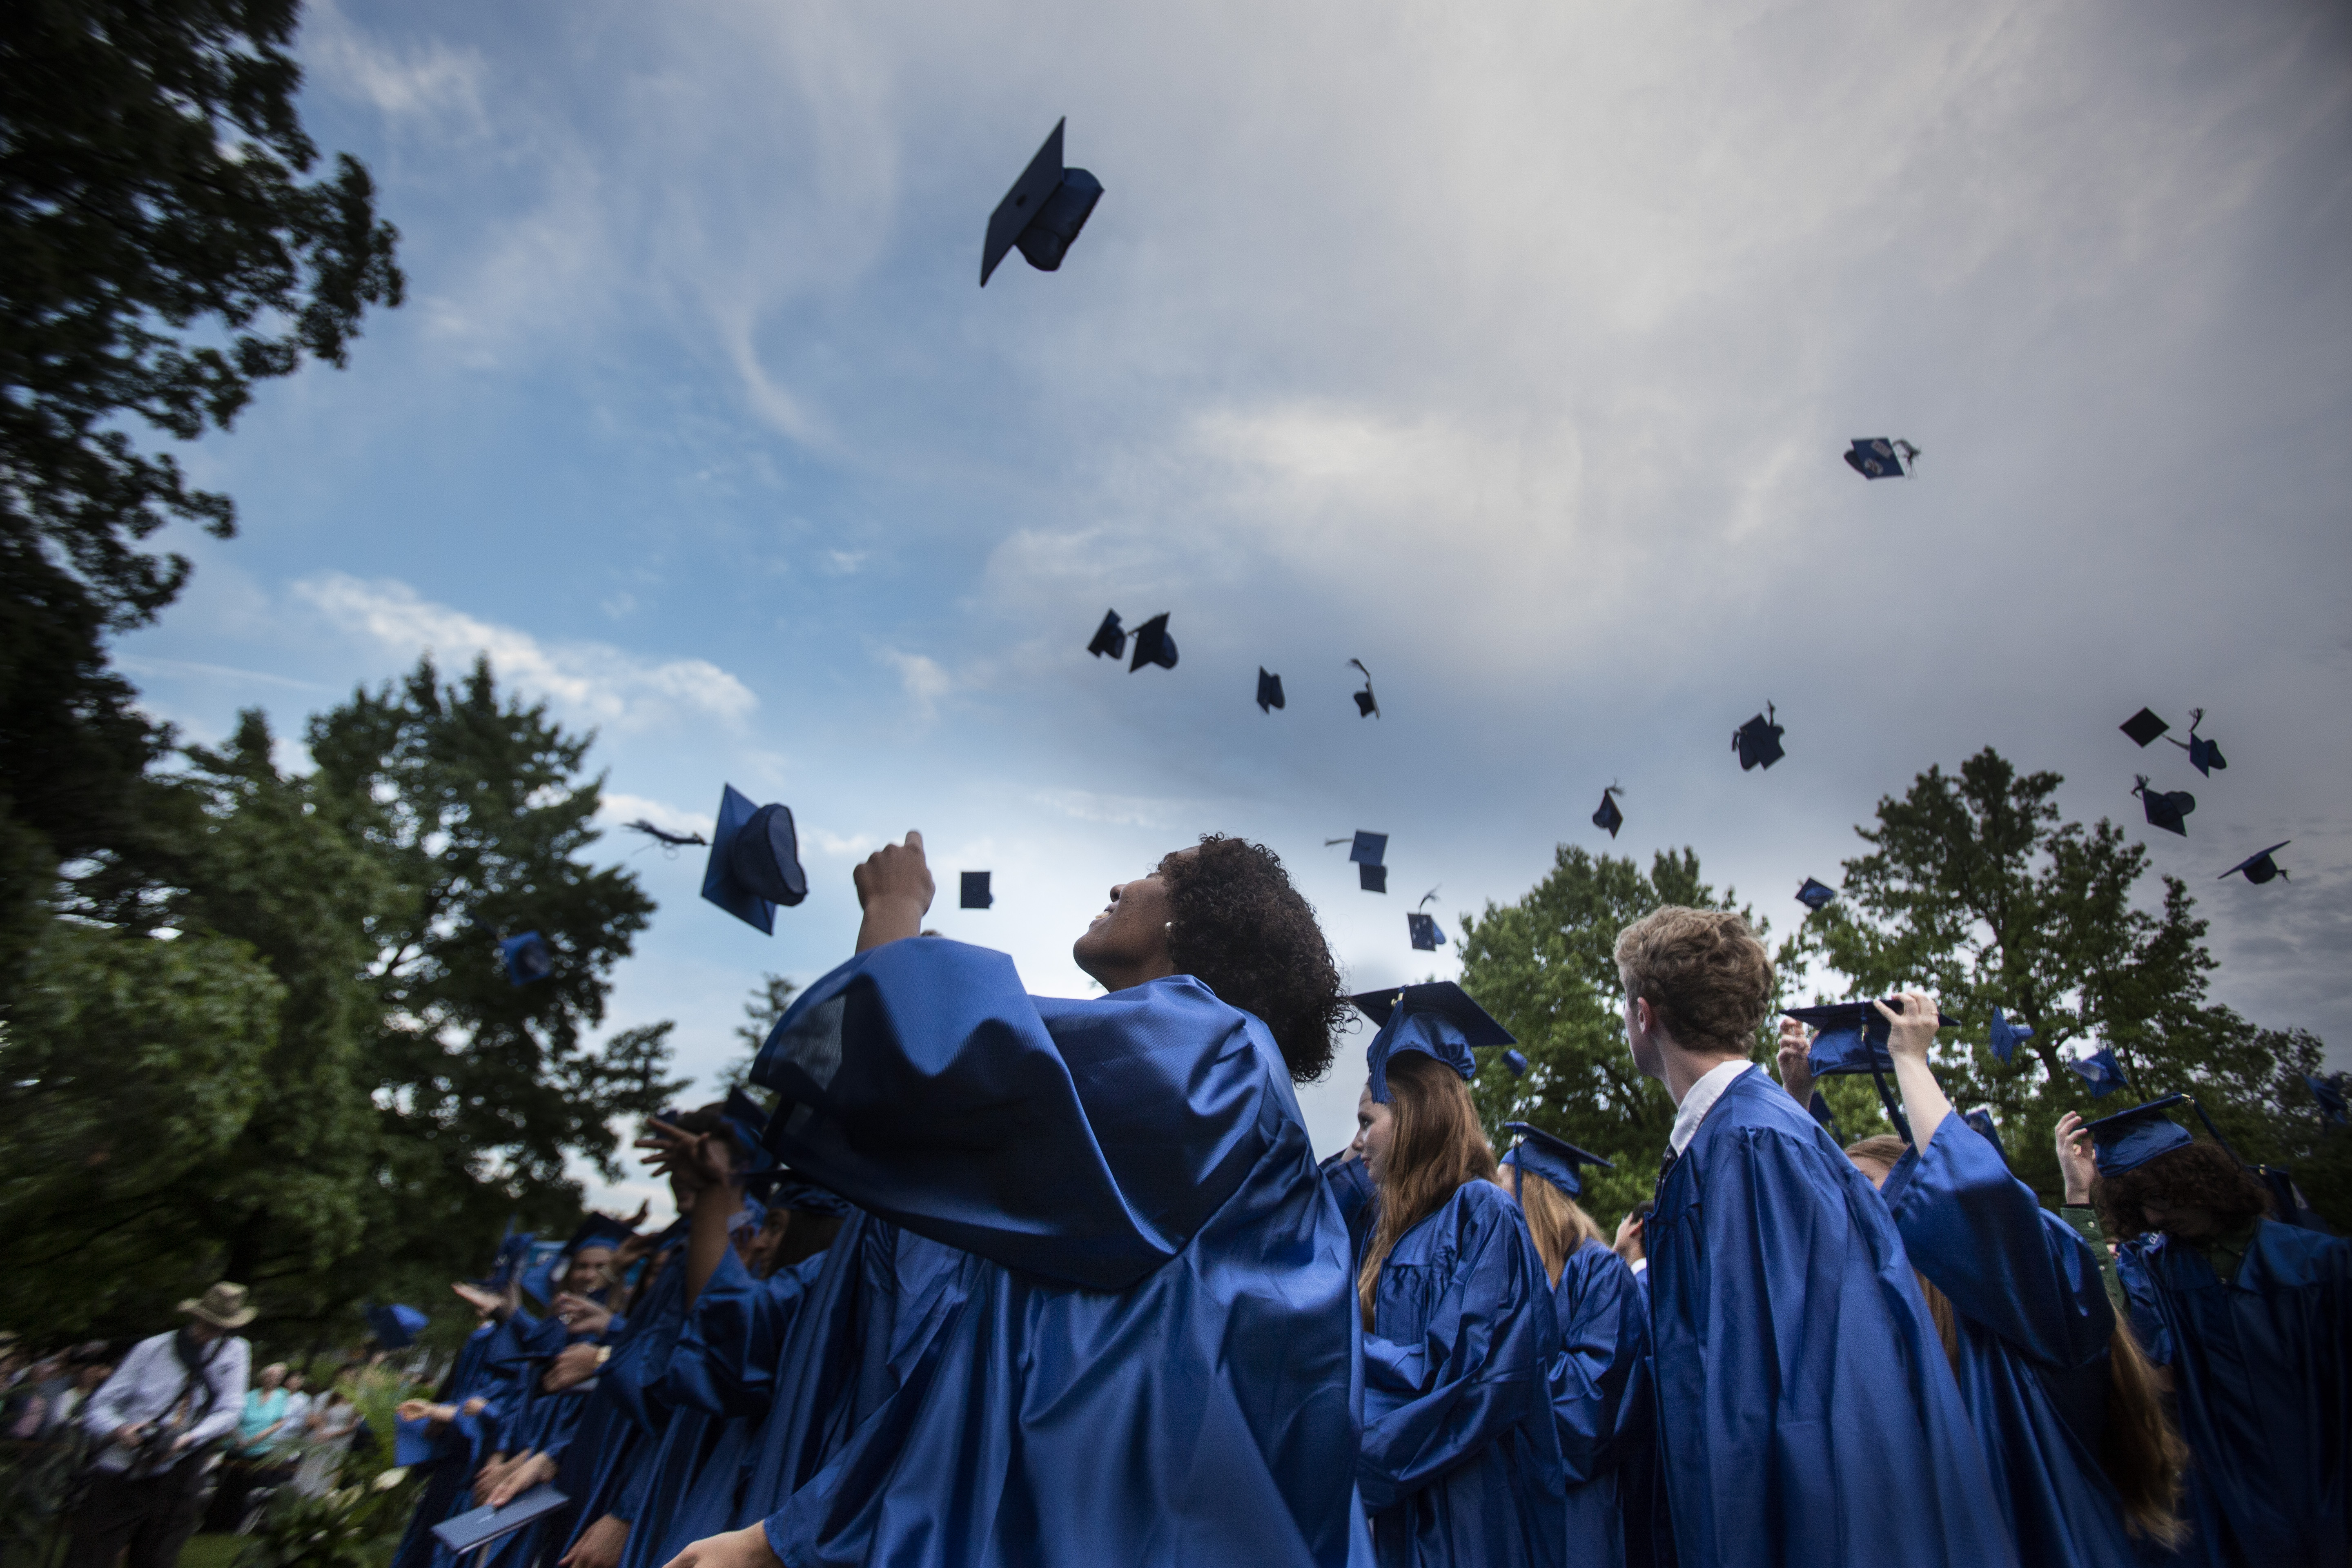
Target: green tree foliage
161 253
770 999
1545 968
1974 889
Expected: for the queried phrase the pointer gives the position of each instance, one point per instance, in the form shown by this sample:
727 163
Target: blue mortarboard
1757 742
1366 849
754 861
1042 213
1878 457
1425 933
1372 879
1609 816
514 1251
475 1527
1982 1120
1366 705
1827 1118
1153 645
597 1230
1110 638
2132 1138
1849 1038
2102 1072
528 958
975 894
1554 1159
395 1327
2204 755
779 1188
412 1442
1514 1062
1436 1019
2330 1095
2143 727
538 1271
1269 691
2004 1036
2166 808
1815 895
2260 868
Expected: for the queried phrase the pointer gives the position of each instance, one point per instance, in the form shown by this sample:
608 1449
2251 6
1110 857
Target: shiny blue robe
2033 1322
1604 1334
1807 1413
615 1422
2262 1368
535 1422
1352 1190
1460 1460
1125 1337
456 1456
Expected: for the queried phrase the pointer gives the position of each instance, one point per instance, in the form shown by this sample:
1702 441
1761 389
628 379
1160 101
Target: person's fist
1796 1063
897 873
1912 1023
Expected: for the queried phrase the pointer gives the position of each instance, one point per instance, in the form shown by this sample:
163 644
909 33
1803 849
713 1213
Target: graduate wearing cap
1604 1332
1098 1279
1806 1411
1461 1458
2062 1398
2254 1318
441 1439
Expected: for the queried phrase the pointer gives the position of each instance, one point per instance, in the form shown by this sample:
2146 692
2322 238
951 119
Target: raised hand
582 1316
1796 1066
1912 1029
2077 1167
693 1161
894 889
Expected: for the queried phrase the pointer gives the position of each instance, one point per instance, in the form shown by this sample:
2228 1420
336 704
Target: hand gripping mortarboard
1850 1038
2204 755
2168 809
1757 742
2260 868
1556 1159
1436 1019
1042 213
1366 705
1609 816
1878 457
754 861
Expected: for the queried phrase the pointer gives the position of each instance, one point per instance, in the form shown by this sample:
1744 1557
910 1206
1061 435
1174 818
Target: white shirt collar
1701 1099
1641 1265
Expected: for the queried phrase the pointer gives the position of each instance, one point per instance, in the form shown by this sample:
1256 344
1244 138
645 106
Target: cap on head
2130 1139
1269 691
1042 213
975 895
1556 1159
1849 1038
1815 895
1757 742
1436 1019
754 862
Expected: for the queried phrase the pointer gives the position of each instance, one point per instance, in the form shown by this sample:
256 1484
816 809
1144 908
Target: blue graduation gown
1352 1190
1461 1453
2033 1322
1604 1332
1144 1354
2261 1367
1806 1411
597 1463
456 1454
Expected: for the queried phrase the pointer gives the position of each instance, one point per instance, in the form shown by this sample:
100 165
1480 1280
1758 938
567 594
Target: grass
211 1551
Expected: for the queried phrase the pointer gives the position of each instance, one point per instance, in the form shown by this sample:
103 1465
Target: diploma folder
480 1526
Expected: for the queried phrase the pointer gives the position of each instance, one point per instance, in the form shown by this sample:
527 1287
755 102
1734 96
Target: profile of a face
1127 942
1375 1125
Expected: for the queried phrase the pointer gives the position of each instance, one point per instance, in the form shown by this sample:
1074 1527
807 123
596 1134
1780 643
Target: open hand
1912 1024
1796 1066
693 1161
572 1365
535 1468
485 1302
2077 1167
582 1316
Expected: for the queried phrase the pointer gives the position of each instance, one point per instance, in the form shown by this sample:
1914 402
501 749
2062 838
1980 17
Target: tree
160 254
770 999
1545 968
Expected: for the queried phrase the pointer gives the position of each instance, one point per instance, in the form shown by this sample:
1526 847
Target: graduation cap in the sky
754 861
2204 755
1556 1159
1515 1063
527 957
2260 868
1110 638
1042 212
1422 928
1815 895
1609 816
1368 850
671 842
2004 1036
2130 1139
2329 1092
1982 1120
2143 727
1757 742
1366 705
2102 1072
1850 1038
395 1326
514 1249
976 895
1269 691
2167 808
1153 645
1878 457
1436 1019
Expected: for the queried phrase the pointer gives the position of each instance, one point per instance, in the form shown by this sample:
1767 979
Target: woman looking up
1144 1356
1461 1455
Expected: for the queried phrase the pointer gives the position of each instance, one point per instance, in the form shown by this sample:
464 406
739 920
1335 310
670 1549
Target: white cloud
431 81
920 677
616 809
596 681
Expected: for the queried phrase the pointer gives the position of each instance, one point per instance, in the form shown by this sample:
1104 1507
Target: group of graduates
1005 1278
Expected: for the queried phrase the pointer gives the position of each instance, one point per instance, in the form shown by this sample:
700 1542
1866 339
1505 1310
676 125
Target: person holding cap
173 1396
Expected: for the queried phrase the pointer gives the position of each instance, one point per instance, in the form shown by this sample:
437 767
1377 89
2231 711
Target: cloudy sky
1509 349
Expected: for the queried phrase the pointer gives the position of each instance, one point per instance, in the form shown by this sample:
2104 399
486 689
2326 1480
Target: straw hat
225 1306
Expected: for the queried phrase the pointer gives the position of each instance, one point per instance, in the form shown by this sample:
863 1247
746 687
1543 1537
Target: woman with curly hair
1097 1283
2254 1320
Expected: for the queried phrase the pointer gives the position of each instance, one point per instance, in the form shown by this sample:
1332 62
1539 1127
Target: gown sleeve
1081 1140
1475 1373
2008 1264
725 1359
1603 1331
2135 1271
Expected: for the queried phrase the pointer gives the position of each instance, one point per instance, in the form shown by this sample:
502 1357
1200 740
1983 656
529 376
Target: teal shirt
262 1411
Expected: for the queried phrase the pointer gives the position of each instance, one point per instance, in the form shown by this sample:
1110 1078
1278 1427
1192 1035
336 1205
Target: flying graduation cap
2204 755
2004 1036
1436 1019
754 862
1609 816
2167 808
1877 458
2143 727
2260 868
1424 927
1514 1062
395 1326
2102 1072
1556 1159
1110 638
2329 1093
1269 691
1368 850
1757 742
1815 895
1042 213
1153 645
1366 705
671 842
527 957
976 895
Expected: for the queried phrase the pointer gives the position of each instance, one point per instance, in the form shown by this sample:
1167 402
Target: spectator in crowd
327 1442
